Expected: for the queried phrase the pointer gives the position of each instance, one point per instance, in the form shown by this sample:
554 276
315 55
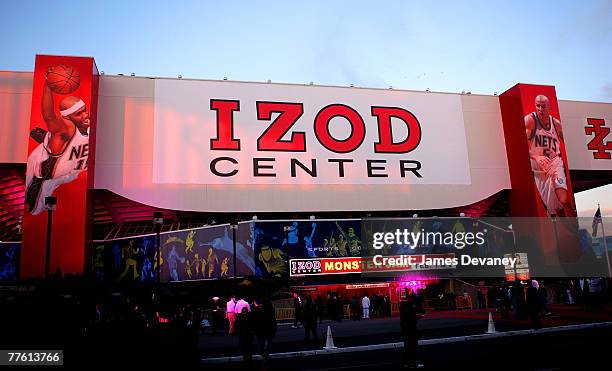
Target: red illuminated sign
61 149
367 286
597 128
301 267
289 114
321 266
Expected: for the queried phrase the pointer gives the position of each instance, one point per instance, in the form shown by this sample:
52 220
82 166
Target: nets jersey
544 142
46 171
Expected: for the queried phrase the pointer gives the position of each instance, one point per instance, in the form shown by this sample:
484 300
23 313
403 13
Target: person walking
480 299
216 315
320 308
244 324
297 310
310 320
264 317
534 305
543 293
409 316
355 315
387 305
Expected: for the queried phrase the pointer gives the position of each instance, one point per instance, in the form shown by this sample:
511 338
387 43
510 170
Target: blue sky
478 46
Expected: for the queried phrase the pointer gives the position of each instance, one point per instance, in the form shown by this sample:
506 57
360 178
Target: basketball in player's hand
63 79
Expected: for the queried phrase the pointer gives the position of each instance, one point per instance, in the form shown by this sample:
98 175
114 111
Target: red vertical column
539 175
60 156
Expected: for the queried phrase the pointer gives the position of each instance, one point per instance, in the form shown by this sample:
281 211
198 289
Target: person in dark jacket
216 315
355 310
320 308
387 305
264 318
297 310
310 319
543 293
409 316
244 324
534 305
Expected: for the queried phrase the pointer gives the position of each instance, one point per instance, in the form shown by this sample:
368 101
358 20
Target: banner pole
603 232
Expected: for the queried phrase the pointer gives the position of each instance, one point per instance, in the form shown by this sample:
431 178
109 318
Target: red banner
62 126
537 160
531 121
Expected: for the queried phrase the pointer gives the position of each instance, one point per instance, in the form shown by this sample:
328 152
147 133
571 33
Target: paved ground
379 331
585 349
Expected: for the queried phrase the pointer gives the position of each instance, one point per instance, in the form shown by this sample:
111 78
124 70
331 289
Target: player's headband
75 107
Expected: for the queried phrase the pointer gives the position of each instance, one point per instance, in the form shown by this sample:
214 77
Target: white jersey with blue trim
56 169
544 141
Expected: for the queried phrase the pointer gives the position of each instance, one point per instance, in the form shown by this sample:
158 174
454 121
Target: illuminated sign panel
367 286
210 132
324 266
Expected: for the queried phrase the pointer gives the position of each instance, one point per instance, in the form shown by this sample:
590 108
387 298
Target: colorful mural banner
60 152
275 242
10 255
194 254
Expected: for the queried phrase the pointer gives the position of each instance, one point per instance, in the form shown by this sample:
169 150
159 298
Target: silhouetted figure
310 319
355 313
543 293
480 298
244 324
409 316
534 305
297 310
452 300
216 315
387 305
264 318
320 308
518 299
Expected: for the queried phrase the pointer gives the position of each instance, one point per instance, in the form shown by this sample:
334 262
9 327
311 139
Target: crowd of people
93 324
336 308
250 321
90 322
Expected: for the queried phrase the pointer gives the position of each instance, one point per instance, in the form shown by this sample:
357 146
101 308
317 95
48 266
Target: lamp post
158 221
50 205
516 254
554 223
234 228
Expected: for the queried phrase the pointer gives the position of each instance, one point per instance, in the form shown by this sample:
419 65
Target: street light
554 223
158 221
50 205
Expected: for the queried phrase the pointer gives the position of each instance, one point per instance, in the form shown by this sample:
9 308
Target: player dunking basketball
63 150
545 136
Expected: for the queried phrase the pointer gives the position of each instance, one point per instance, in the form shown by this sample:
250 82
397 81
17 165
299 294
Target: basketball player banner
541 184
60 150
536 150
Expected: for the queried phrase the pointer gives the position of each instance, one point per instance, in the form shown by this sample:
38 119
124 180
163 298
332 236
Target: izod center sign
210 132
